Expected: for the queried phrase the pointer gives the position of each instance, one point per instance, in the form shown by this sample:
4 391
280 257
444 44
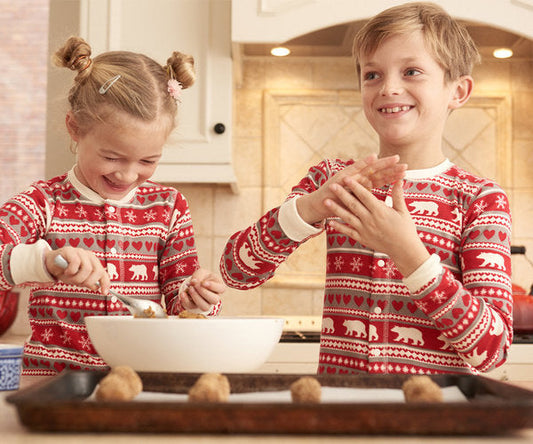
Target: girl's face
405 96
115 159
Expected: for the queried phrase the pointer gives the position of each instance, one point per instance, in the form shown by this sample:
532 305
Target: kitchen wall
23 58
217 212
23 55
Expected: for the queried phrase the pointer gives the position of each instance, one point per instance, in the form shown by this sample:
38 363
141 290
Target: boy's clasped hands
370 172
347 201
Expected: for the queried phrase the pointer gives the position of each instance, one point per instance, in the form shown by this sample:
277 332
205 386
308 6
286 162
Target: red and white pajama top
145 240
452 315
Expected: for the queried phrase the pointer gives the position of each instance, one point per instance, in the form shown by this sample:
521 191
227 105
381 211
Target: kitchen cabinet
276 21
199 151
519 365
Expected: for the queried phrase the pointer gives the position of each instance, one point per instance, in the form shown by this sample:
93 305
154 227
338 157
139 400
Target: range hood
325 27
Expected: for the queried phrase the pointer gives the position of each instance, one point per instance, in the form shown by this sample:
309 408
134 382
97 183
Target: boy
423 283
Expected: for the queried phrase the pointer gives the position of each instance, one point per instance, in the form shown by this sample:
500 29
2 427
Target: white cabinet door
196 152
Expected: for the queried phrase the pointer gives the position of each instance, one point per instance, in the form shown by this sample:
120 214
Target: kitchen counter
14 432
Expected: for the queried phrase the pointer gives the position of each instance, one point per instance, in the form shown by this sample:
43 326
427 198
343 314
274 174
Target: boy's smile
395 109
405 96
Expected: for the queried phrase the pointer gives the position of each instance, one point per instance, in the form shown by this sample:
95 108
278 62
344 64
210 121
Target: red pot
9 301
522 310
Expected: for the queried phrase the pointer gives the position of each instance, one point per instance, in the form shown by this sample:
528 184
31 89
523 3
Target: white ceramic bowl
221 344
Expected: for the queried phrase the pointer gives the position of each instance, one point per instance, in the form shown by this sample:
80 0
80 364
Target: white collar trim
94 196
428 172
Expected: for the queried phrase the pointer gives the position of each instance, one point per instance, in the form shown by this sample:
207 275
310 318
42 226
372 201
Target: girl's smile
117 187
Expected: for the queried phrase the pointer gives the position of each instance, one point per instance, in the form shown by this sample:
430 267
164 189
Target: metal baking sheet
61 405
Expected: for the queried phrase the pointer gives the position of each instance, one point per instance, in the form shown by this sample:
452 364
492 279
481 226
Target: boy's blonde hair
141 91
449 41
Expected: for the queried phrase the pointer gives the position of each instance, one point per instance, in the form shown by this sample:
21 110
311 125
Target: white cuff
27 263
292 224
429 270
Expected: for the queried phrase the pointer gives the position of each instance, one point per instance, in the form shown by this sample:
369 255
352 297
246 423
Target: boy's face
405 96
114 159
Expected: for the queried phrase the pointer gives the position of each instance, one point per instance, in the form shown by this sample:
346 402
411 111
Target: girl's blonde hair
449 41
141 91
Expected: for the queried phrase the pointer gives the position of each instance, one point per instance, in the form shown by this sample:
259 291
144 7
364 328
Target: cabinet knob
220 128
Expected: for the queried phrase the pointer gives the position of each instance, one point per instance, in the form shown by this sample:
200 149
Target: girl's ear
72 127
462 92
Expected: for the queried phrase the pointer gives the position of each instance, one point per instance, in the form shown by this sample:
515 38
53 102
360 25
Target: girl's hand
203 292
378 226
84 268
370 172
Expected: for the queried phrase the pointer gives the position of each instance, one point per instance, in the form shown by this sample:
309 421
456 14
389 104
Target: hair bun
75 54
182 68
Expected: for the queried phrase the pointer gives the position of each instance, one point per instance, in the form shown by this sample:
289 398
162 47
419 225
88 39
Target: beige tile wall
217 212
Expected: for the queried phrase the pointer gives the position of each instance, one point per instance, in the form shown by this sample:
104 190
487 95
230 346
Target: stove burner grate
522 338
300 336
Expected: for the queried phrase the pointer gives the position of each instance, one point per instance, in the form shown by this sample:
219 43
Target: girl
115 228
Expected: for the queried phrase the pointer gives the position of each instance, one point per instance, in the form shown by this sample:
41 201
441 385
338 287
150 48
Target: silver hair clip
105 87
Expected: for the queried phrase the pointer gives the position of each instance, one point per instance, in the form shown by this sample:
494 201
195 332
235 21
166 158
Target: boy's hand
84 269
203 292
370 172
378 226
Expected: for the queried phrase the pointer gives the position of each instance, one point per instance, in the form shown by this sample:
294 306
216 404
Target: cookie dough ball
306 389
421 389
121 384
185 314
130 376
210 387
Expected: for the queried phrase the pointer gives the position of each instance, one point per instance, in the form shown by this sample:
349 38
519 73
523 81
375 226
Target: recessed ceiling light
280 51
502 53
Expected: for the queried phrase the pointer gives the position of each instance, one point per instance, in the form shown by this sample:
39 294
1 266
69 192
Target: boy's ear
462 92
72 127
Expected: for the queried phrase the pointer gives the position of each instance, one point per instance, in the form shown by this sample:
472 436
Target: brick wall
23 63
